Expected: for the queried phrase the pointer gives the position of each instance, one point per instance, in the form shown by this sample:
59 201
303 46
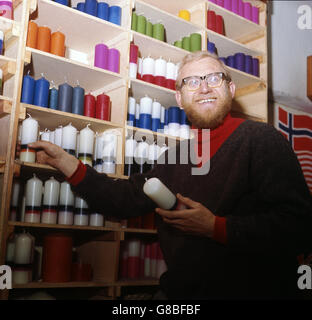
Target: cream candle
24 248
50 201
66 204
33 196
159 193
58 136
29 133
81 217
86 142
96 220
21 275
69 136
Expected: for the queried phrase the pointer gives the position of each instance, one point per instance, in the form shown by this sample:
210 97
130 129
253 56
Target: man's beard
211 119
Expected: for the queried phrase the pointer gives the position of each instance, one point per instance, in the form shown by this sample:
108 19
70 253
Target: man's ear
232 88
178 98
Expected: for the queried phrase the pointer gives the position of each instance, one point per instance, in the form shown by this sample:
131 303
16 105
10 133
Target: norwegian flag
297 129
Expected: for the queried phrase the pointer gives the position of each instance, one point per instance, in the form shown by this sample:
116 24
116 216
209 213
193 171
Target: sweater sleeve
281 219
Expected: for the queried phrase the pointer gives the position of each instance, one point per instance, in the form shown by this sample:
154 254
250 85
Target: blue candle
91 7
65 97
230 61
223 60
174 115
248 64
41 97
28 90
255 67
183 118
102 10
78 100
211 47
114 15
81 6
64 2
53 101
239 61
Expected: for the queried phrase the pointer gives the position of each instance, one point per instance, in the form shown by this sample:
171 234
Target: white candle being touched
69 136
159 193
29 133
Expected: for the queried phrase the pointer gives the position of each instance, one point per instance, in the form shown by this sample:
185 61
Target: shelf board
175 27
136 283
140 89
51 119
82 39
90 78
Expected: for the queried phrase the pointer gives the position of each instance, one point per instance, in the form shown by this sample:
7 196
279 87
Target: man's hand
197 219
55 156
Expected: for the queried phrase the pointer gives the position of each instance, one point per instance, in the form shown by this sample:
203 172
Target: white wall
290 47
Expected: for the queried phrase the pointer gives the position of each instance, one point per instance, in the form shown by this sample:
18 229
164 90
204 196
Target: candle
78 100
81 217
6 9
1 75
29 133
89 106
33 196
101 56
133 53
69 134
160 72
98 152
96 220
255 67
211 20
148 67
102 107
239 61
195 42
162 118
141 155
184 125
1 42
153 154
133 70
65 97
186 43
159 31
131 111
66 204
137 115
14 200
32 34
45 136
146 104
109 167
234 6
255 14
44 39
230 61
52 136
81 6
185 14
134 247
24 248
211 47
149 29
219 24
86 142
114 15
140 66
91 7
109 146
220 3
58 44
21 275
130 147
134 21
248 64
41 96
50 201
156 113
102 10
174 121
166 129
247 10
53 98
63 2
141 24
58 136
113 60
28 90
159 193
228 4
241 8
178 44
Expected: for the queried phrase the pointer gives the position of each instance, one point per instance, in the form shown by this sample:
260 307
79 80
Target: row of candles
240 7
105 58
151 115
139 259
141 24
66 98
191 43
215 22
41 38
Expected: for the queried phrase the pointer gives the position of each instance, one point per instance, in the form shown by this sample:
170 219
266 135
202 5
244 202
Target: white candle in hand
159 193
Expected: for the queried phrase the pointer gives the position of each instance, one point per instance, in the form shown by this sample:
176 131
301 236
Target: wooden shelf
8 66
90 78
137 283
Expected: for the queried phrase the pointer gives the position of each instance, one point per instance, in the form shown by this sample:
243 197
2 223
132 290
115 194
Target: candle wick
145 179
29 115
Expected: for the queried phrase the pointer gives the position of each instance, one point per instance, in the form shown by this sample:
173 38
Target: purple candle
255 14
228 4
113 60
235 6
230 61
255 67
239 61
241 8
247 10
101 56
248 64
220 3
213 1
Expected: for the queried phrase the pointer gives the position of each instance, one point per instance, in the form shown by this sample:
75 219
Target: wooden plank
309 77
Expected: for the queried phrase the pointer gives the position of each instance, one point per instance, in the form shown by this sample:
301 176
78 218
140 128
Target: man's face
205 107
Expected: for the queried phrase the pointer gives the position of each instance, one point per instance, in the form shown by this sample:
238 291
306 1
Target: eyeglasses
213 80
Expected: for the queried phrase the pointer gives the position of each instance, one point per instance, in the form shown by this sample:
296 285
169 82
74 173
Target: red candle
219 24
103 107
211 20
89 106
134 53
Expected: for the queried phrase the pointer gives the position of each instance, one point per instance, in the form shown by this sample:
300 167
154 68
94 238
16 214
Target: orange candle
32 35
58 44
44 39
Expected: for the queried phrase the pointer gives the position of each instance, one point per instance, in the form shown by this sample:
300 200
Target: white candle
131 105
109 146
21 275
33 196
159 193
137 113
109 167
140 66
15 193
156 110
141 152
184 131
177 66
148 66
174 129
66 201
146 104
86 141
171 71
162 114
24 248
30 128
133 70
58 136
153 153
52 136
96 220
130 147
160 67
45 135
50 201
69 135
81 217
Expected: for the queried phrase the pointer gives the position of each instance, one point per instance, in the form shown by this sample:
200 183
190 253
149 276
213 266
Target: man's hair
196 56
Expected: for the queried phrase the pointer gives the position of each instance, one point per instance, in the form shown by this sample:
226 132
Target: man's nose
204 87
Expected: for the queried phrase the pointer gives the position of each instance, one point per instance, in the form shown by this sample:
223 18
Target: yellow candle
184 14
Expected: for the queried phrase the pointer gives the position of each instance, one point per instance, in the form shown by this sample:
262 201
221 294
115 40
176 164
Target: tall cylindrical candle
113 60
58 136
248 64
65 97
255 14
141 155
66 204
134 21
81 217
149 29
29 133
28 90
159 31
91 7
239 61
195 42
58 44
219 24
133 53
148 66
89 106
130 147
109 146
86 142
81 6
248 10
101 56
235 6
141 24
228 4
24 248
241 8
33 196
103 107
69 135
44 39
186 43
102 10
32 35
45 136
41 96
78 100
50 201
114 15
255 67
53 98
211 20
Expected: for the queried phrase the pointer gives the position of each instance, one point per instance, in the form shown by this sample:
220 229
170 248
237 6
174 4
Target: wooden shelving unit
83 32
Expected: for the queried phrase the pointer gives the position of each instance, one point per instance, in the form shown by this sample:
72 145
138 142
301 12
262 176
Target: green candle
186 43
195 40
159 31
141 26
134 21
178 44
149 29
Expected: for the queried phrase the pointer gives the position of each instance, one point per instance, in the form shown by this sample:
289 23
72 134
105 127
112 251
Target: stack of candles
215 22
105 58
101 10
176 123
159 72
190 43
55 203
244 9
41 38
242 62
140 24
139 260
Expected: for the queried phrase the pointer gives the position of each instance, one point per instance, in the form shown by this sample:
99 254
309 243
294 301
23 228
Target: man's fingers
187 201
